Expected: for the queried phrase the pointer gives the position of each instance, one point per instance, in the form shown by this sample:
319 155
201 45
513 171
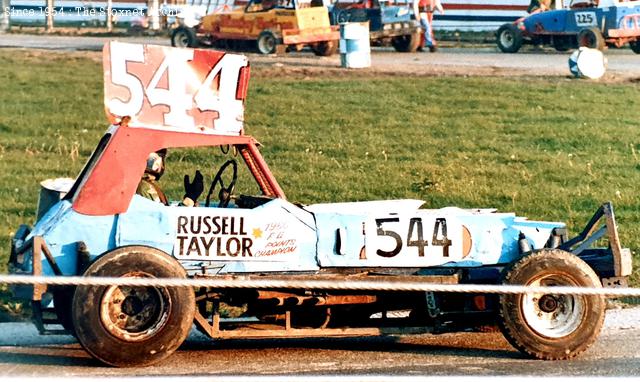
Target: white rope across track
221 282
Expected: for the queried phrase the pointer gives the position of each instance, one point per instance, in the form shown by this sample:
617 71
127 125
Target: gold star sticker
257 233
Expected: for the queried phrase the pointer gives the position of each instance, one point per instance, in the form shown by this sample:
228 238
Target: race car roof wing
172 89
159 97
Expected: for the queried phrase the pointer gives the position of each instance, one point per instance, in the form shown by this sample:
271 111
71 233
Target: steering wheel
224 195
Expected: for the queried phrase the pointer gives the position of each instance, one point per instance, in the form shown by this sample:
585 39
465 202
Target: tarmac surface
483 60
616 353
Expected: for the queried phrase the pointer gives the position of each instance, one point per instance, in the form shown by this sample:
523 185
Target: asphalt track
616 353
483 60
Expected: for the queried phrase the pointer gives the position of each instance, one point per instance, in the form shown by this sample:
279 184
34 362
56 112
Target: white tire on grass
587 63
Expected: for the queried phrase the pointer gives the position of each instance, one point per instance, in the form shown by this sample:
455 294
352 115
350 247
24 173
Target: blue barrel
355 50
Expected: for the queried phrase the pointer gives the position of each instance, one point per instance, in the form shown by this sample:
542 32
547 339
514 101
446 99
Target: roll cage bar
109 180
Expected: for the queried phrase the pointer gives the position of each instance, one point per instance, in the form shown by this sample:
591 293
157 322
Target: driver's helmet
155 163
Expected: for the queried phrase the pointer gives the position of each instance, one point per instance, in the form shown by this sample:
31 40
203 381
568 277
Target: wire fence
226 282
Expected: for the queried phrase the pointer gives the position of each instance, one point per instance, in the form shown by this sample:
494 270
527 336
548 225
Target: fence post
49 14
109 15
5 21
153 9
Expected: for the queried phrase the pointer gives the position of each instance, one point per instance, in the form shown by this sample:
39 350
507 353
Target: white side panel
267 238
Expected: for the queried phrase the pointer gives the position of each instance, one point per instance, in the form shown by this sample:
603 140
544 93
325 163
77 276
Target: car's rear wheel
325 48
551 326
184 37
562 43
591 38
635 46
267 42
406 43
509 38
133 325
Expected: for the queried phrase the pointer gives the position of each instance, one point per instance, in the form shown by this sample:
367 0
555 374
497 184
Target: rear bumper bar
310 35
621 263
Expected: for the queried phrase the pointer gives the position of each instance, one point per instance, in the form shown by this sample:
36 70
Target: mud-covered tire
266 42
551 327
562 43
591 38
325 48
406 43
635 46
184 37
509 38
133 326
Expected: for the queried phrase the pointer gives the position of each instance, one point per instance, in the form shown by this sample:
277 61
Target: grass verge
549 149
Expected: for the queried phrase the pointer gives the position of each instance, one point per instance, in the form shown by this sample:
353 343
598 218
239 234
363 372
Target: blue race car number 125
585 19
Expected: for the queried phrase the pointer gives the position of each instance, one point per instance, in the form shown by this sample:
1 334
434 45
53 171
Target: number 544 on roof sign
175 89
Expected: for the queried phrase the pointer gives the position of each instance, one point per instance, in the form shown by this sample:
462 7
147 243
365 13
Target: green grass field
547 148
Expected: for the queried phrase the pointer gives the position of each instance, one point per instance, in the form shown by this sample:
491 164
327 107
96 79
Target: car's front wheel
267 42
635 46
551 326
509 38
133 325
184 37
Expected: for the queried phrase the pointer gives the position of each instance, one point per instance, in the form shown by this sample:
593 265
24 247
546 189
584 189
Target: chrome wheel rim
267 44
181 39
506 39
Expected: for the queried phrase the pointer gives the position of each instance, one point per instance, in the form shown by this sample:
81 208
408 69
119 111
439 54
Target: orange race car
268 23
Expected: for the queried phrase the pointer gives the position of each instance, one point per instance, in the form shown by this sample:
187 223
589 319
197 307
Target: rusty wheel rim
134 313
553 316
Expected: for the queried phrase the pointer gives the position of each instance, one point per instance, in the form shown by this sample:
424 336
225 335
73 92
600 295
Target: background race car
389 24
588 23
267 23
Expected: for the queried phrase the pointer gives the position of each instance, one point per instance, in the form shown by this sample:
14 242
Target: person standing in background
423 9
536 6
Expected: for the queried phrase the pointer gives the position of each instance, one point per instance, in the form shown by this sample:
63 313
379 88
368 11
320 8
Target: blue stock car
103 228
589 23
392 24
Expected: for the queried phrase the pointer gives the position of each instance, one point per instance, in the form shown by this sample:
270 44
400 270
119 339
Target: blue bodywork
378 16
611 23
307 238
572 21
